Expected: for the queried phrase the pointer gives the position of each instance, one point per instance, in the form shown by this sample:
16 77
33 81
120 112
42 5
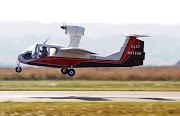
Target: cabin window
53 51
43 52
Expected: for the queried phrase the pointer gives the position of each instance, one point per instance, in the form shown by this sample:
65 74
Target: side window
53 51
43 52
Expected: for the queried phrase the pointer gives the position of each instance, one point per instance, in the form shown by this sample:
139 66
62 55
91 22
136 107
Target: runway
59 96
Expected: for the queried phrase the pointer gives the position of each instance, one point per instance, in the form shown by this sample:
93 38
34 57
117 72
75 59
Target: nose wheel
70 72
18 69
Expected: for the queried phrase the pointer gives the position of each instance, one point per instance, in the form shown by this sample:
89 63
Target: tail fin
132 53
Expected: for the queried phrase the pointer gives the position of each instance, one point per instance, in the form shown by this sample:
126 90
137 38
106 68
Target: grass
90 109
107 79
123 74
84 85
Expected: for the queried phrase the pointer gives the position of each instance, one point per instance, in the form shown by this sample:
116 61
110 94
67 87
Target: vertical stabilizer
133 50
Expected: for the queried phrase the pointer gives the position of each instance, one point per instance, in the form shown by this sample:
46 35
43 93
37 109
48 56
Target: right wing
76 50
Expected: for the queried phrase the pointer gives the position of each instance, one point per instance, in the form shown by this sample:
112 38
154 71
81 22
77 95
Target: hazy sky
91 11
159 18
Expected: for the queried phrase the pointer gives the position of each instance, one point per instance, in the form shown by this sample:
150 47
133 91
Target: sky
23 23
91 11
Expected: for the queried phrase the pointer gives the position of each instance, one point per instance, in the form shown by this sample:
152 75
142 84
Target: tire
18 69
71 72
64 71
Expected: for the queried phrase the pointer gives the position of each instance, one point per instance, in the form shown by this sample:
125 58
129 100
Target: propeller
64 26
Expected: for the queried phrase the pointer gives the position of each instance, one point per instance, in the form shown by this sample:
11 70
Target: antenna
46 41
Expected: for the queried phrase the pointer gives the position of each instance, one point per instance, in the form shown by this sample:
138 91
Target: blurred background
23 23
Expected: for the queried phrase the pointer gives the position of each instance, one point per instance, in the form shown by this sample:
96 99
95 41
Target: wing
76 50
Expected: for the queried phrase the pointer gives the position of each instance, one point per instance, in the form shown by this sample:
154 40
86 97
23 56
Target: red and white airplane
131 54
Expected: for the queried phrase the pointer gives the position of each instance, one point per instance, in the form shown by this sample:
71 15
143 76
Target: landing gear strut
18 68
70 72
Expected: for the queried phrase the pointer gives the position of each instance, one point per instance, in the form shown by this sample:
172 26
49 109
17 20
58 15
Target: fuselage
56 56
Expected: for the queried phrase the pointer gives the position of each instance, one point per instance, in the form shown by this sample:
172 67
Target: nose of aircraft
21 59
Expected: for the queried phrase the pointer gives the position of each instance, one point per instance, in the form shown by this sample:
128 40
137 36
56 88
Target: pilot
44 52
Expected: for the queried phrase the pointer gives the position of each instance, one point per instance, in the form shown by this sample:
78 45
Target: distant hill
178 63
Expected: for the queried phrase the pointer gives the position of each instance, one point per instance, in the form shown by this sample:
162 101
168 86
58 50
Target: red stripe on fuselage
132 41
66 61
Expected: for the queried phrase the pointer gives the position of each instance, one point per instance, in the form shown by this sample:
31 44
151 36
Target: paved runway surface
53 96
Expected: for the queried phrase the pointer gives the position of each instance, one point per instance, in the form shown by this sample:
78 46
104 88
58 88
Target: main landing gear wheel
71 72
64 71
18 69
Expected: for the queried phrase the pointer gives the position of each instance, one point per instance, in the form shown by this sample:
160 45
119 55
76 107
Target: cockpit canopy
39 51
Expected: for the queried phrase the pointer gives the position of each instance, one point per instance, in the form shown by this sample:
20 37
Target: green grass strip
84 85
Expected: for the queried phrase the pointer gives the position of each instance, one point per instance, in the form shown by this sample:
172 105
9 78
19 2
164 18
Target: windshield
30 53
39 51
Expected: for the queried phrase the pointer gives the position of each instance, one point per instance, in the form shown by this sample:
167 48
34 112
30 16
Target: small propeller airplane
131 54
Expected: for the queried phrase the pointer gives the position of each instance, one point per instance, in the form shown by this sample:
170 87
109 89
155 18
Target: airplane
67 58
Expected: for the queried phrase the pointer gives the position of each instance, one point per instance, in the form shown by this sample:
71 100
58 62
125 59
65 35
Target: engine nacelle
75 32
